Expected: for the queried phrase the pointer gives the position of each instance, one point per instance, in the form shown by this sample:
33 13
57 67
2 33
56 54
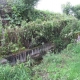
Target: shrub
36 33
18 72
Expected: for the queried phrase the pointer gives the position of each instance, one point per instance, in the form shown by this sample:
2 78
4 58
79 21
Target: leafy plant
18 72
63 66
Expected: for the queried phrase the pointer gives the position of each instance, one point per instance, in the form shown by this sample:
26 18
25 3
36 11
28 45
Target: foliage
46 31
39 27
8 49
43 15
76 49
76 10
66 8
63 66
19 6
38 32
18 72
11 42
71 10
43 27
21 9
54 66
71 30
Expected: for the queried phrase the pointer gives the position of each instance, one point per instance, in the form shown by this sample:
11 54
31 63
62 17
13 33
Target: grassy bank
63 66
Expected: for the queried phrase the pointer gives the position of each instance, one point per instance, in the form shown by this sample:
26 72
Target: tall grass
63 66
18 72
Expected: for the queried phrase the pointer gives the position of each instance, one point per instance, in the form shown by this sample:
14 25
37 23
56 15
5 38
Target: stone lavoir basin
34 53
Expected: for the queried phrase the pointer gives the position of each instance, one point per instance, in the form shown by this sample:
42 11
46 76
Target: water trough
34 53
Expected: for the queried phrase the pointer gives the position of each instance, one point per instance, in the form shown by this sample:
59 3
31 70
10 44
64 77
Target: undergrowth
18 72
62 66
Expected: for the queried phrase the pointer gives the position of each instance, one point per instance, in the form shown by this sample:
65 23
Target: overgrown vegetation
35 28
39 30
71 10
18 72
30 28
63 66
21 9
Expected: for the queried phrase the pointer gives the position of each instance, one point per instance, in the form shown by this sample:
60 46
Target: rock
3 61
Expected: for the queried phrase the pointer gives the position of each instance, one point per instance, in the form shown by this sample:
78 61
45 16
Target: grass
63 66
18 72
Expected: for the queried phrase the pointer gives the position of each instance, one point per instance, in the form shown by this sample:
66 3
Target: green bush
62 66
76 49
37 32
18 72
41 29
10 48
